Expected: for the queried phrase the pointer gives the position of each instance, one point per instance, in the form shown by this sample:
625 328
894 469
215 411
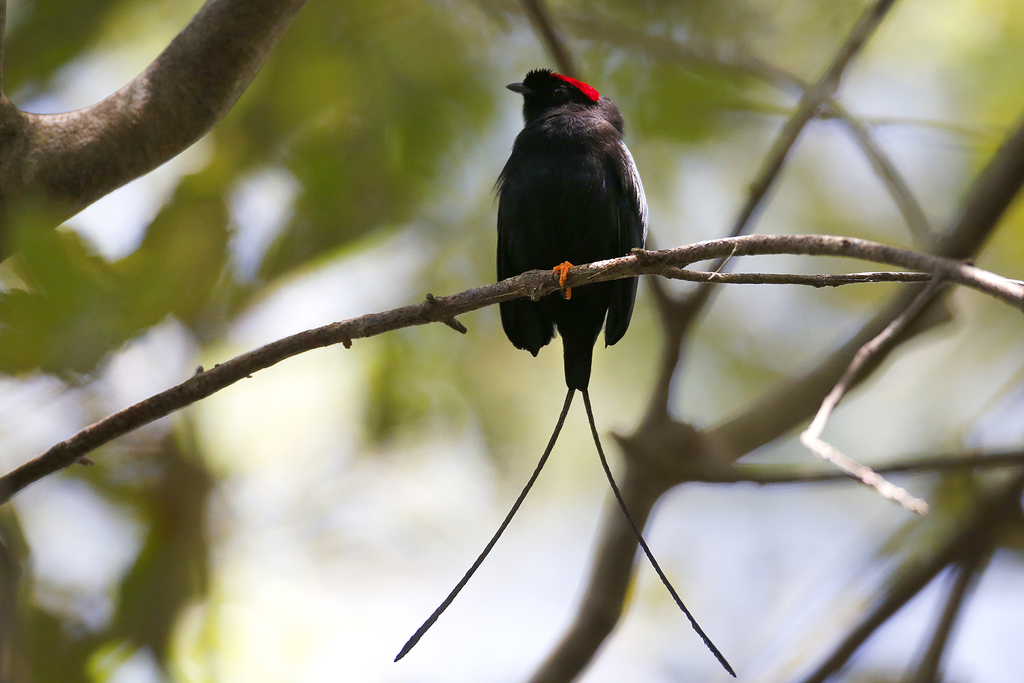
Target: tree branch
913 215
666 261
540 17
669 50
777 413
811 437
822 280
771 474
533 284
666 49
968 570
812 99
973 535
795 401
72 159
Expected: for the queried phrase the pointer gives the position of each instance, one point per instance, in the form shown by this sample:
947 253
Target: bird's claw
563 272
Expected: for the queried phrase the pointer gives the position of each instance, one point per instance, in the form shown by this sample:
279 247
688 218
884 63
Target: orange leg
563 272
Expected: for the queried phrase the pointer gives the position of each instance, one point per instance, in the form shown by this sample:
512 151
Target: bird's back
562 199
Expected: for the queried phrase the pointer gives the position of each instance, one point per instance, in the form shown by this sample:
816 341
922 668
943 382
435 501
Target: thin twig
821 280
813 98
811 437
665 49
773 474
541 19
917 223
662 262
968 571
780 411
811 101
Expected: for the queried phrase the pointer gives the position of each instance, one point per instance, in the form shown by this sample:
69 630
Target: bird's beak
518 87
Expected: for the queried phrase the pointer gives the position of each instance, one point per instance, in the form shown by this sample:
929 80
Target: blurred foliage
44 36
381 112
78 307
685 105
169 574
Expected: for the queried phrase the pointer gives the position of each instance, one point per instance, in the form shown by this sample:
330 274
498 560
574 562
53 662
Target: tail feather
577 358
643 544
415 638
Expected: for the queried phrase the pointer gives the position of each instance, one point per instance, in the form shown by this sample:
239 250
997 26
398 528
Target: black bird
569 194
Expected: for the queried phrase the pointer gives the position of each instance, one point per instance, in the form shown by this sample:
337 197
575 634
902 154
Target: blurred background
301 524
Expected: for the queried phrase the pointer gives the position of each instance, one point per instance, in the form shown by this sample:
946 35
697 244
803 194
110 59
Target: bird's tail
643 544
497 534
578 358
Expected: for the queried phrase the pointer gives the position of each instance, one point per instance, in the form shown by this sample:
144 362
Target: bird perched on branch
569 193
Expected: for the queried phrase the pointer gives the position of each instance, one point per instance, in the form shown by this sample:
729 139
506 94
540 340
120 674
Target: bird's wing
632 224
526 325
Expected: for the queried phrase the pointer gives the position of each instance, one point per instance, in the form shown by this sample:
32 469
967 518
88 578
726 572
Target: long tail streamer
411 643
643 544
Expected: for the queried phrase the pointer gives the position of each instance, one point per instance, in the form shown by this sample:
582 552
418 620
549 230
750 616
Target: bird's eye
561 92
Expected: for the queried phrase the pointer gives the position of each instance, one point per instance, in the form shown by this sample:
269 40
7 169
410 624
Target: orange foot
563 272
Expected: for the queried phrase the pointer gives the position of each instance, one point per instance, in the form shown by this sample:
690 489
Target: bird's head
544 90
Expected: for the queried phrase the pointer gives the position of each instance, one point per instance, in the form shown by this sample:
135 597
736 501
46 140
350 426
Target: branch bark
70 160
811 437
813 98
783 409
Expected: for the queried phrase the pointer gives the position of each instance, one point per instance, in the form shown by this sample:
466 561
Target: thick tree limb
70 160
534 284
